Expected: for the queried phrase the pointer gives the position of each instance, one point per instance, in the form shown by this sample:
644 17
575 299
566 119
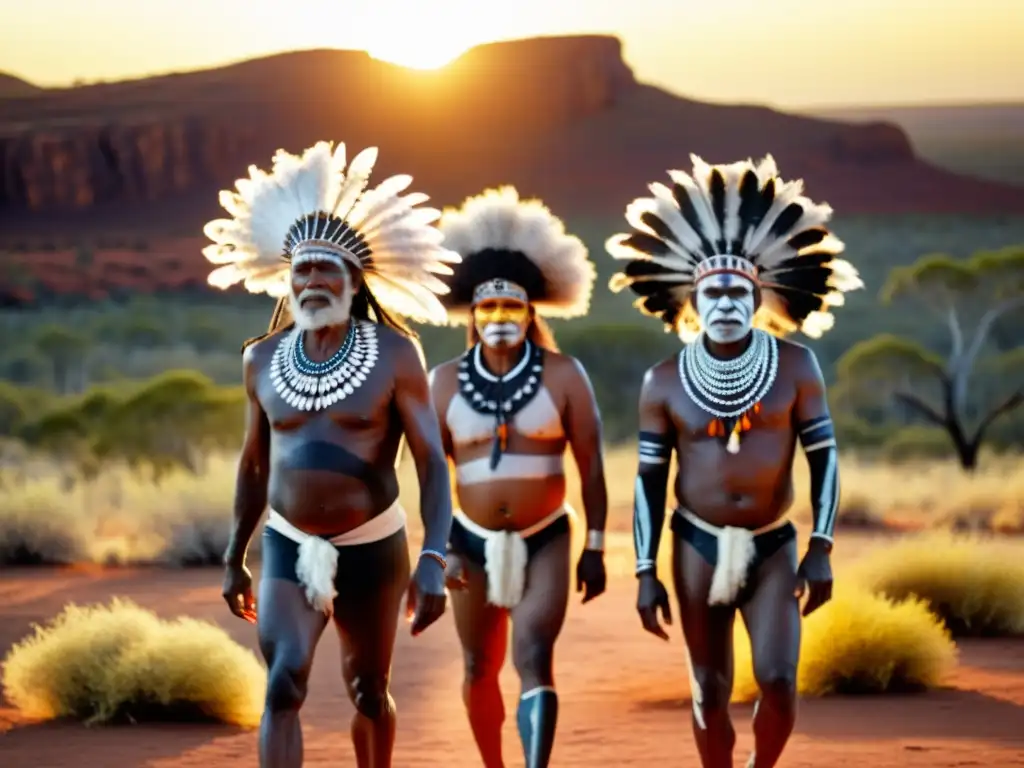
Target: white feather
766 250
498 219
404 249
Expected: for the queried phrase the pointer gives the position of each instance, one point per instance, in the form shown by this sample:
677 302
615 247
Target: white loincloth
506 556
736 551
317 563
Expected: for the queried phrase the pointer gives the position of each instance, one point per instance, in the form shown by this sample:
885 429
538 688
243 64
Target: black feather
811 279
641 268
786 220
644 243
750 208
767 198
660 227
799 304
690 214
716 185
812 259
488 264
807 238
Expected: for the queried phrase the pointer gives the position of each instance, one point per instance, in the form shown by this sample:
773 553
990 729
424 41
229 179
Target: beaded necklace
500 396
729 390
312 386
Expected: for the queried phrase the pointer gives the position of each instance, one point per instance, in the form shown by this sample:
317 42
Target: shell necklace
730 390
311 386
500 396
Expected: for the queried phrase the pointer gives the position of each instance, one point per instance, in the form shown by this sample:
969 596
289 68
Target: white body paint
501 335
714 310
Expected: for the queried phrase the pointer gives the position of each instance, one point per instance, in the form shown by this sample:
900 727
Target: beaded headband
499 288
725 263
519 245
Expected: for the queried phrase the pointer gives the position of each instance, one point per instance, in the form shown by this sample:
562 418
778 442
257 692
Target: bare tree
968 297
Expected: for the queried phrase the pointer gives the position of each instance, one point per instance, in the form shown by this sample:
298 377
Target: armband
817 437
654 448
816 434
649 498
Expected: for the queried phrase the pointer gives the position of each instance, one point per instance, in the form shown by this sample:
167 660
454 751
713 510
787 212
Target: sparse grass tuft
38 527
860 643
185 520
121 663
974 584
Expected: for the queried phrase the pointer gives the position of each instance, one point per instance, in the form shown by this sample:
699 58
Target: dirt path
624 697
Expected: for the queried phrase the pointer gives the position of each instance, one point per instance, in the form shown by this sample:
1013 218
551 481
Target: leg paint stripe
537 691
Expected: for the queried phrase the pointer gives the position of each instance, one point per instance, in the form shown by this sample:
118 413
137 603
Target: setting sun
417 53
427 39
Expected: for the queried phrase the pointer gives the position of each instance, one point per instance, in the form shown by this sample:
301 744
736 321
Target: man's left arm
583 430
816 433
423 435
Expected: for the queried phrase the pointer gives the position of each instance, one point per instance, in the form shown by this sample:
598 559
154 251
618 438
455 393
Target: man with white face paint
732 258
333 389
508 409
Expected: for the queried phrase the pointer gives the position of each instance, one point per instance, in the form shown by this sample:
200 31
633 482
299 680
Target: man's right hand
652 596
237 592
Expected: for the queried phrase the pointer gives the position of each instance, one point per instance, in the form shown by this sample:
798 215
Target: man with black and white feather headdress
732 258
333 389
508 409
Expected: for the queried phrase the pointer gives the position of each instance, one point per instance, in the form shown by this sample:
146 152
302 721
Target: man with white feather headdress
508 409
732 258
334 387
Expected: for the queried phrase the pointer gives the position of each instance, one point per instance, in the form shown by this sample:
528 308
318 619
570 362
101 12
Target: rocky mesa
562 118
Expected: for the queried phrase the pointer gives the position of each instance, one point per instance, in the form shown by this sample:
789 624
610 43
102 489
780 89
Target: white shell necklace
312 386
729 389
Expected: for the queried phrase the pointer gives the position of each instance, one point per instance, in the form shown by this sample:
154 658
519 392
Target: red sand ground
623 697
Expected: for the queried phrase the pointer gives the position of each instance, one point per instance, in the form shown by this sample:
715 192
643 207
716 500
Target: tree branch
956 333
917 404
961 366
1011 403
984 327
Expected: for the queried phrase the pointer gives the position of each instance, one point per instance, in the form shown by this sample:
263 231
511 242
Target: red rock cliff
562 118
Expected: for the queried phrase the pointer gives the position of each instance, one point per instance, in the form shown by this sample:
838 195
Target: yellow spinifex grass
861 643
974 583
101 663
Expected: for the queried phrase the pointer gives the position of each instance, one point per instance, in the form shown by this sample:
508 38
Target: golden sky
788 53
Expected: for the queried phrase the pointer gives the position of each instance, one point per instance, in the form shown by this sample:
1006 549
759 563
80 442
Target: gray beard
337 311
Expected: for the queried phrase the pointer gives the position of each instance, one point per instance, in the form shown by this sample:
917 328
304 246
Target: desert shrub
120 662
975 585
861 643
39 527
915 443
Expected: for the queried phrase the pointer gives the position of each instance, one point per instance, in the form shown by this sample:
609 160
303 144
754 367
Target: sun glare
425 39
421 52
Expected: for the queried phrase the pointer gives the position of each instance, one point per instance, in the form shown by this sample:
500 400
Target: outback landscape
120 410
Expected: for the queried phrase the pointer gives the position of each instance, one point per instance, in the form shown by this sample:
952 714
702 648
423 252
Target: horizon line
938 104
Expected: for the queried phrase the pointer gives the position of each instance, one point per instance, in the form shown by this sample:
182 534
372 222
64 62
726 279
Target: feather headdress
312 207
517 248
740 218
